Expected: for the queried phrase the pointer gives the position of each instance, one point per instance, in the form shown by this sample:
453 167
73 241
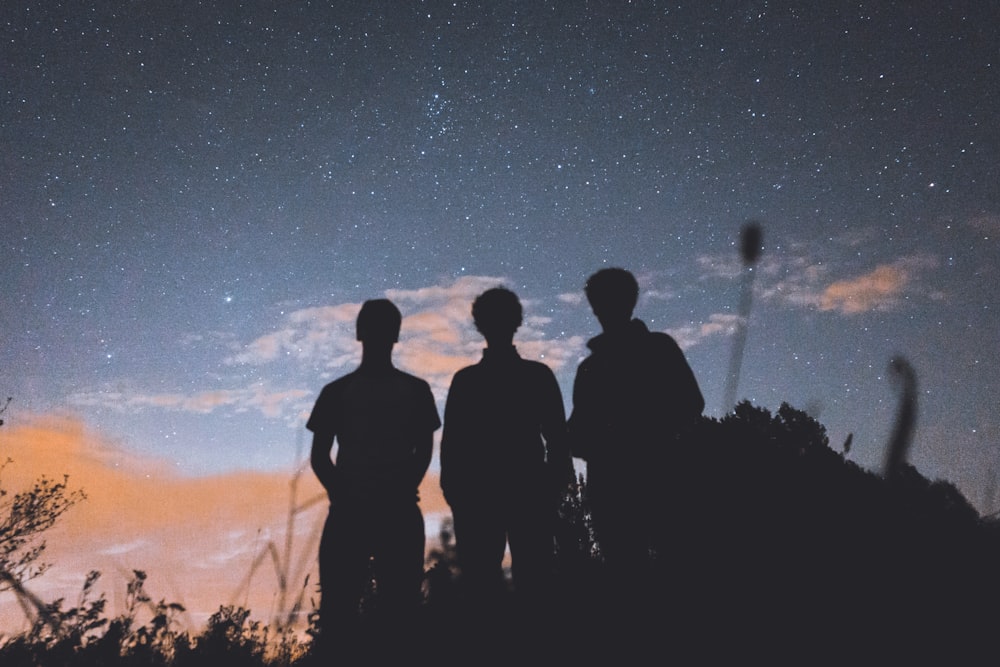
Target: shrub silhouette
781 548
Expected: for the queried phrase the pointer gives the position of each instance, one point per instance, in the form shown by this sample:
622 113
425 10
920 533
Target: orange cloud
429 362
877 290
197 538
437 327
440 338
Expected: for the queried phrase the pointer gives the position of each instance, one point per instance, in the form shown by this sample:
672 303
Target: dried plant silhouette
751 247
905 380
288 565
4 408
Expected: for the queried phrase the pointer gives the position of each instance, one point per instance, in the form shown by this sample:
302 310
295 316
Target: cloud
791 273
272 403
798 283
800 280
197 538
880 289
555 353
727 266
649 290
322 333
464 288
877 290
259 396
434 326
692 334
430 363
572 298
437 338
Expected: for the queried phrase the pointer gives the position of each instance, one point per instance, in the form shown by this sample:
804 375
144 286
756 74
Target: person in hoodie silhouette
632 398
504 458
383 421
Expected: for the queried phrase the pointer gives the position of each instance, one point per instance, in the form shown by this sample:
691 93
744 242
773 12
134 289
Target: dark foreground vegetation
781 550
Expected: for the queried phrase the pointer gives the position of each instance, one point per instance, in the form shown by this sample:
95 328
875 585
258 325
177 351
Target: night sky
197 196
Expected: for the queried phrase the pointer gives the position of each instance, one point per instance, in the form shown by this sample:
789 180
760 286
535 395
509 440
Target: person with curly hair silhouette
504 458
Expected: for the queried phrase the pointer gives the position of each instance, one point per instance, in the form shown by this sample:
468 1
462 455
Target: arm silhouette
322 464
452 440
583 426
690 401
553 428
422 451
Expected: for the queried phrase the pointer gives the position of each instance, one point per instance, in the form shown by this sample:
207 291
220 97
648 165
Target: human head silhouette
612 294
497 315
379 322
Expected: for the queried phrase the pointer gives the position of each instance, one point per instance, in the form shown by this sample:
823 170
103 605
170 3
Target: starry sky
197 196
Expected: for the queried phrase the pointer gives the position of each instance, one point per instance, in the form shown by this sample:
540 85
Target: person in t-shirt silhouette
383 421
504 457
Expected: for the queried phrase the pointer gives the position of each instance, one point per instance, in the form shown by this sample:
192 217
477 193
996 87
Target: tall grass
289 565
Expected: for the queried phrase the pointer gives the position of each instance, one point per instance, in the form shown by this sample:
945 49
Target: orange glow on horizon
196 538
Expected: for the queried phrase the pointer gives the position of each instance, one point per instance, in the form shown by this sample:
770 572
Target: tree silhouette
24 519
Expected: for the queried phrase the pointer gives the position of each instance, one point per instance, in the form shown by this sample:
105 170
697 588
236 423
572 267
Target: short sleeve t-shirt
377 418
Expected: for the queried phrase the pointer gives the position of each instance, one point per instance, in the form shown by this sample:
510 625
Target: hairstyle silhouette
497 311
379 322
612 294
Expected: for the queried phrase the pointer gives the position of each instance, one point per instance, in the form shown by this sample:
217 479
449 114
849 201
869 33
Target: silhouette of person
504 458
383 421
632 397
